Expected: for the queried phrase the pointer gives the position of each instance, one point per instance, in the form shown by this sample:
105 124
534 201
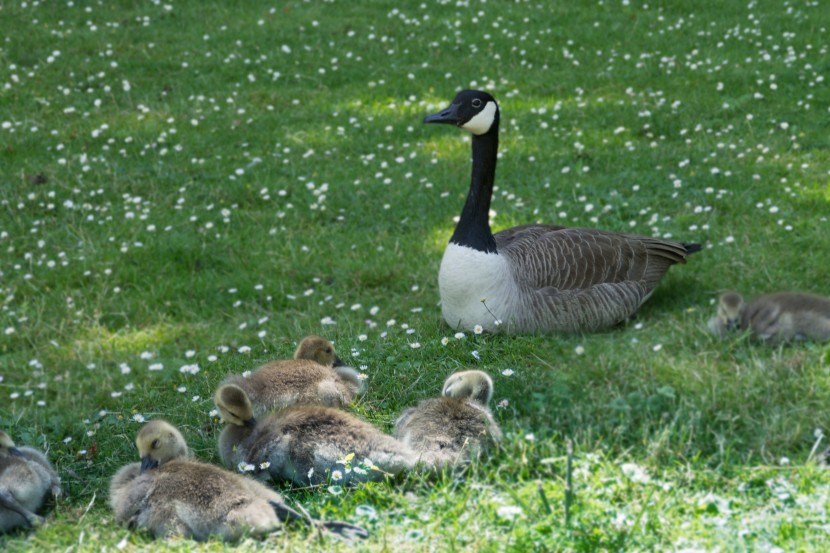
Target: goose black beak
249 423
16 452
732 324
338 362
147 463
449 116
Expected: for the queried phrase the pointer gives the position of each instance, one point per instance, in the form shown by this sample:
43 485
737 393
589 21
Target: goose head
474 385
158 442
320 350
730 306
471 110
234 406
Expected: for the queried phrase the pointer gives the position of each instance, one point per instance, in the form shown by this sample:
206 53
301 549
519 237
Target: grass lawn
188 188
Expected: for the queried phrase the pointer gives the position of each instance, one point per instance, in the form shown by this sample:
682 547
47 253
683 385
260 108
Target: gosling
774 318
26 477
454 428
306 444
169 494
315 375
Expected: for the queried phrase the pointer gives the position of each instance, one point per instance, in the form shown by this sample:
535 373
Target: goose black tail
692 248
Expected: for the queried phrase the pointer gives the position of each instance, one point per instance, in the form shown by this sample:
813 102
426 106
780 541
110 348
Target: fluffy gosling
25 478
314 375
306 444
774 318
454 428
169 494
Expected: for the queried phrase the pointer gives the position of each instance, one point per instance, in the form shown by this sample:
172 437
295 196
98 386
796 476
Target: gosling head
158 442
7 444
474 385
472 110
234 405
730 307
319 350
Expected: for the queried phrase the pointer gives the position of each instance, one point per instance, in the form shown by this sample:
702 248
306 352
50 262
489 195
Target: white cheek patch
481 123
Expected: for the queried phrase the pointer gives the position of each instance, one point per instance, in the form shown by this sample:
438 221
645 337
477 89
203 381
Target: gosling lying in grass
314 375
26 477
169 494
306 444
455 427
774 318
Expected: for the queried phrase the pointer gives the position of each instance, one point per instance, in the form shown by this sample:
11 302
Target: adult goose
537 278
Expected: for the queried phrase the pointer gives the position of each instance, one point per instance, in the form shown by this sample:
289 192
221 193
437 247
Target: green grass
164 193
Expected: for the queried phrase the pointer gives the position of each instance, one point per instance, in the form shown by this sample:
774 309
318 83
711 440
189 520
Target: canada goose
306 444
170 494
25 478
455 427
775 318
537 278
315 375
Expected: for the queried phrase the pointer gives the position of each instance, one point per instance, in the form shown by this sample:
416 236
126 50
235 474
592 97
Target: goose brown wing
565 258
587 309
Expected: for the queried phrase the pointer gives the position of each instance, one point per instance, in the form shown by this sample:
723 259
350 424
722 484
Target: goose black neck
473 229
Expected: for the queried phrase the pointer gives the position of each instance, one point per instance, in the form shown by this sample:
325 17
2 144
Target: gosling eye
328 350
156 443
476 103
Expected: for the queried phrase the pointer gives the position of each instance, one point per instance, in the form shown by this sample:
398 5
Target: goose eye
156 443
476 103
328 350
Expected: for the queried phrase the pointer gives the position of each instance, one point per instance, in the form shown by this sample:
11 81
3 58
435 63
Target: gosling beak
249 423
731 324
148 463
338 362
448 115
16 452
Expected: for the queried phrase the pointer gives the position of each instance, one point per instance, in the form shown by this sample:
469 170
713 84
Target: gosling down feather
455 427
26 477
169 494
774 318
306 444
315 375
537 278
